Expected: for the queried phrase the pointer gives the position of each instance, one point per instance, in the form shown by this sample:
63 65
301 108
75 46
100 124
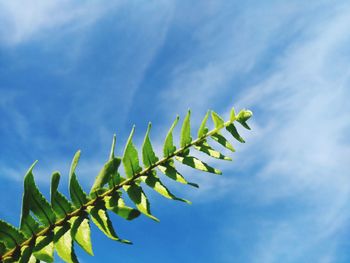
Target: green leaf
232 129
60 204
111 154
2 248
243 116
153 181
218 121
10 235
117 205
169 147
169 170
26 253
222 140
206 148
106 173
232 115
44 248
203 130
185 138
29 226
37 202
81 231
25 199
101 219
197 164
32 259
78 196
137 195
64 243
148 156
130 158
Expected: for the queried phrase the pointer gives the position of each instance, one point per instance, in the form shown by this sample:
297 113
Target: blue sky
72 73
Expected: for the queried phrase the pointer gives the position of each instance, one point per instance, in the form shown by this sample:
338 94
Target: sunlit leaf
243 116
223 141
197 164
64 243
117 205
203 128
148 156
169 147
206 148
169 170
153 181
81 231
185 137
101 219
137 195
44 248
218 121
232 129
130 157
78 196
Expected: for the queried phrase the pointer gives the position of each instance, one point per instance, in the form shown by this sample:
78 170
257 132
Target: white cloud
23 20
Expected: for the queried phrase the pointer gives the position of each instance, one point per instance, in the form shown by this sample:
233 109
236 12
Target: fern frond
59 224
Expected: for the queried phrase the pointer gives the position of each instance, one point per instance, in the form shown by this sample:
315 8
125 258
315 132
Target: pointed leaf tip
203 128
185 137
111 155
130 157
169 147
218 121
148 156
232 114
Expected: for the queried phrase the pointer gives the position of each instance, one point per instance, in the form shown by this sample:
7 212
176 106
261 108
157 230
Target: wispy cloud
22 21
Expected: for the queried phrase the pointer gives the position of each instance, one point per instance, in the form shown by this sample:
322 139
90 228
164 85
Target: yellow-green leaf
44 248
140 199
243 116
148 156
77 194
197 164
232 115
81 232
101 219
117 205
185 137
169 170
232 129
37 202
153 181
206 148
130 157
218 121
203 128
64 243
222 140
169 147
60 204
106 173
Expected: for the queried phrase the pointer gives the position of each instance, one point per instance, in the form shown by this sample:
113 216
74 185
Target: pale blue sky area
72 73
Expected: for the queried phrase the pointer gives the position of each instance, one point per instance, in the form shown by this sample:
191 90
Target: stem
9 254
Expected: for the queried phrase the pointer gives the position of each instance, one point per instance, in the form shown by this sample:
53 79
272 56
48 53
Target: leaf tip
194 185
